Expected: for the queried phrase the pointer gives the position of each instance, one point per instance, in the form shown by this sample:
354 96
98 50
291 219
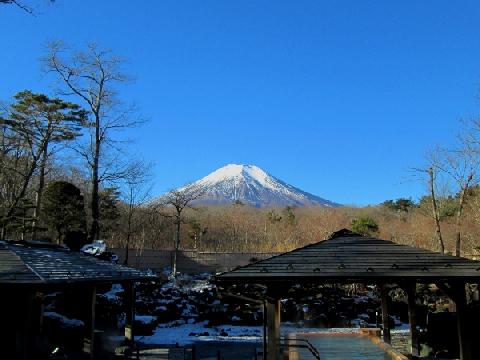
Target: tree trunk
458 221
95 206
125 262
436 217
177 246
23 191
38 197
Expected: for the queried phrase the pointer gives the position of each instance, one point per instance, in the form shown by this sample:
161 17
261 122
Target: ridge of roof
346 255
343 233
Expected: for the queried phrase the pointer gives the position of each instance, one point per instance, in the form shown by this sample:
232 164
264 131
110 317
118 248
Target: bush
365 225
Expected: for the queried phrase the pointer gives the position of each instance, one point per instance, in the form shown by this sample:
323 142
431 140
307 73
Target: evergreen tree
32 124
63 209
289 215
365 225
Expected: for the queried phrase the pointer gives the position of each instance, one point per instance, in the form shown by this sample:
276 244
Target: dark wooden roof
350 257
30 263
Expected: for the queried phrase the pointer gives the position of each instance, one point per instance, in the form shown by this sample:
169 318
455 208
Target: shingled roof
30 263
350 257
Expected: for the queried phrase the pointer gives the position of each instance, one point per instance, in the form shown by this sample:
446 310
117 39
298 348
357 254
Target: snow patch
112 293
63 319
145 319
188 333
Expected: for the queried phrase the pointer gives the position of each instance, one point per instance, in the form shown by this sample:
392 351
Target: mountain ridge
252 186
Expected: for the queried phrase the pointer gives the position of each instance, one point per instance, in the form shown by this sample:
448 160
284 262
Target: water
344 348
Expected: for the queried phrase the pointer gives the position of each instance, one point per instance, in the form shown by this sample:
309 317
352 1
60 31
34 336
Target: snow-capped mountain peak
253 186
234 171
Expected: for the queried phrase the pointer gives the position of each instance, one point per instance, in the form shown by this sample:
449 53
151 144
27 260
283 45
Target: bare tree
179 200
431 172
462 166
93 76
135 193
20 4
435 212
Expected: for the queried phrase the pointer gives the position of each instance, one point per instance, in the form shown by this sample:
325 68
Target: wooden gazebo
30 269
347 257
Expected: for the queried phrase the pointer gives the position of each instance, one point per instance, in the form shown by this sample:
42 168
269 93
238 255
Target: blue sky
339 98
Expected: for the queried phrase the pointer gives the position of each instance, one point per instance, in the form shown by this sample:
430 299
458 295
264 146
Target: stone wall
189 261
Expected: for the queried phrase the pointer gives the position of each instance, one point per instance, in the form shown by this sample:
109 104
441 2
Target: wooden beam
411 291
385 317
273 329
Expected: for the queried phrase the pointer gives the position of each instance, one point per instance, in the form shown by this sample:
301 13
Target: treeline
242 228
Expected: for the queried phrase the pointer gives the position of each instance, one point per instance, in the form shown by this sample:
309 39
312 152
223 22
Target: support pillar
457 293
129 311
89 343
273 329
264 329
24 334
385 318
462 320
410 289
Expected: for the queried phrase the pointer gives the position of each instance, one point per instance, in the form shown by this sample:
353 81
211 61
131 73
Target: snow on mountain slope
253 186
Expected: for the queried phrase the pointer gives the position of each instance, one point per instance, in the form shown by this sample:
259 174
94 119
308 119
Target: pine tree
63 209
33 123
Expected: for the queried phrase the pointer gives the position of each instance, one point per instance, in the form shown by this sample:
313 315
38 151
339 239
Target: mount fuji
252 186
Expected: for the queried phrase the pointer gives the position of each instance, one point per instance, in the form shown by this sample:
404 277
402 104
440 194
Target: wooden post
410 289
456 292
273 329
24 336
462 320
385 318
89 344
41 297
130 311
264 330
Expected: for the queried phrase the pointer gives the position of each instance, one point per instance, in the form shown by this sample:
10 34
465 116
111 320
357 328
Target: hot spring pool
349 347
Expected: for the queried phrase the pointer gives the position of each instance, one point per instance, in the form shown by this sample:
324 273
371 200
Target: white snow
252 185
112 293
188 333
227 172
234 173
63 319
145 319
171 334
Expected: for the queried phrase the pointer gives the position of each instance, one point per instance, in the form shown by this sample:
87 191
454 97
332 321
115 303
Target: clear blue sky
338 98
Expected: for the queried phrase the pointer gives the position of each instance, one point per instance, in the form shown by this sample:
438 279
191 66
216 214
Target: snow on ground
189 333
112 293
184 291
63 319
185 334
145 319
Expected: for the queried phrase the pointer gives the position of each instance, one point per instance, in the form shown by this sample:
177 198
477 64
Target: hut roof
350 257
34 263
